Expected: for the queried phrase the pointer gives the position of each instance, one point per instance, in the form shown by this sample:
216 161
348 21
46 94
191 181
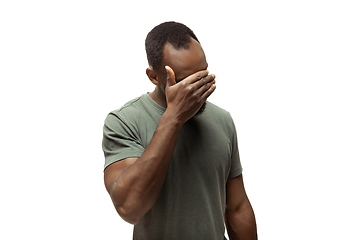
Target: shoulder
129 112
217 113
212 107
219 117
129 108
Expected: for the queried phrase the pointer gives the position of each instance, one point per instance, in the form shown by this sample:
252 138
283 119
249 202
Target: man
172 165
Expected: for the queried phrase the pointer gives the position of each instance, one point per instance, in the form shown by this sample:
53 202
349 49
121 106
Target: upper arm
120 141
235 194
114 170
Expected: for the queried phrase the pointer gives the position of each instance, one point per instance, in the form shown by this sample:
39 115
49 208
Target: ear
152 75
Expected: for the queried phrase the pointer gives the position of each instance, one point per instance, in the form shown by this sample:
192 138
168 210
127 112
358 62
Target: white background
288 71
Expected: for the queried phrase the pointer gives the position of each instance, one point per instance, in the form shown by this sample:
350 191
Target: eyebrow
179 80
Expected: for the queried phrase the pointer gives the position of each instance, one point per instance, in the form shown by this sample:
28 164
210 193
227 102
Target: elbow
129 215
127 209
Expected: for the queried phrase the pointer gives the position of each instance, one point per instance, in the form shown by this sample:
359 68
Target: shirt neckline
154 104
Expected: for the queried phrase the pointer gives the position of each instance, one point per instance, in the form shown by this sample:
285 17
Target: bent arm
239 214
134 184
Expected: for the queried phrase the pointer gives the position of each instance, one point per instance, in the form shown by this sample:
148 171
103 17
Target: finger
204 88
208 92
196 76
205 80
170 76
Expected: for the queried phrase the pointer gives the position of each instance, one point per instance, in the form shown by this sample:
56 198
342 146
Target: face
184 62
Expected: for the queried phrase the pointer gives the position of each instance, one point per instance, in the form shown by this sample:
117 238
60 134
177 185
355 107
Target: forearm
241 224
138 187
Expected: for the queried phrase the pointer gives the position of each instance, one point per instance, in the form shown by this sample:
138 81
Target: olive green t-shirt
191 204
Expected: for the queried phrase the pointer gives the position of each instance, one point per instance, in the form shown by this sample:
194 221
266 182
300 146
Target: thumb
170 77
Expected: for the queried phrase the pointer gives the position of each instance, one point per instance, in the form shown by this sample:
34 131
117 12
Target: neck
159 97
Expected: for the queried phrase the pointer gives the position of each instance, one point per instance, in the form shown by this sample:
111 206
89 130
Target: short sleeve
236 168
120 141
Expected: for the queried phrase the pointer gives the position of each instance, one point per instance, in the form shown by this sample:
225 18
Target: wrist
172 118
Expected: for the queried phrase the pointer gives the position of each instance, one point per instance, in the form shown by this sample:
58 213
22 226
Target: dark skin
182 88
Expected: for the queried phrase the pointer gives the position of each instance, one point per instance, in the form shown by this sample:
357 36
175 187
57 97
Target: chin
201 110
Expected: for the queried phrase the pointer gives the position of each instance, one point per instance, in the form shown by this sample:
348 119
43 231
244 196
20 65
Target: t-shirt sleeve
120 141
236 168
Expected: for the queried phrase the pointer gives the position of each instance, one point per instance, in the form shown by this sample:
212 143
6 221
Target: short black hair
177 34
